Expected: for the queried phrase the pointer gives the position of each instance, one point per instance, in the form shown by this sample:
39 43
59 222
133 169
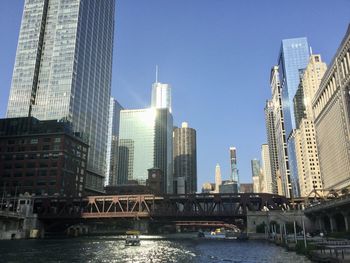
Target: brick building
41 157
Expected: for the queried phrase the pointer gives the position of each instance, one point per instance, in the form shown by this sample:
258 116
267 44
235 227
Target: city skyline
325 41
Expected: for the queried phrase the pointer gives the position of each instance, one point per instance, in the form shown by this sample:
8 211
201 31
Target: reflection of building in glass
145 141
234 171
293 58
331 106
185 160
112 142
63 70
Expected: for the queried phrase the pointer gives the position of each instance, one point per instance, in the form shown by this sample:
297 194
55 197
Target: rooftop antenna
156 73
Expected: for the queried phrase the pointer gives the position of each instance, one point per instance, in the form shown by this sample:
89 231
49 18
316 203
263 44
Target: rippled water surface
106 249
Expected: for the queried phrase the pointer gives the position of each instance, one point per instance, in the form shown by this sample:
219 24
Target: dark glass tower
63 70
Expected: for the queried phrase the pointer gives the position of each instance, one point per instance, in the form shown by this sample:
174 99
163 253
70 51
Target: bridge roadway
195 206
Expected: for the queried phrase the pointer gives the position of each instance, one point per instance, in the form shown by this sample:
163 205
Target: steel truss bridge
174 207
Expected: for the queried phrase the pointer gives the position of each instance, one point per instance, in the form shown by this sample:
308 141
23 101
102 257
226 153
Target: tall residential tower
185 160
234 170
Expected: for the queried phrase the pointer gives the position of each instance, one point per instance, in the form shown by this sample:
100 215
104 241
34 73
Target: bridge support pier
320 223
346 220
333 223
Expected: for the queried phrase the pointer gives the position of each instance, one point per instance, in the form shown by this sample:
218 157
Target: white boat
132 238
217 234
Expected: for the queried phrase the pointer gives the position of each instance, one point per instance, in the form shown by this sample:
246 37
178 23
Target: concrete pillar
346 221
332 223
320 223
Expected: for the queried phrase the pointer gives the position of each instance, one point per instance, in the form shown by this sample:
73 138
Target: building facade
234 170
283 172
185 159
246 188
305 135
331 107
218 179
266 185
255 164
64 55
272 143
41 158
145 141
161 96
112 142
293 57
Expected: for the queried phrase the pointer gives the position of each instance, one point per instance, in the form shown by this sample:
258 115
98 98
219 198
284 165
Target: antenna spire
156 73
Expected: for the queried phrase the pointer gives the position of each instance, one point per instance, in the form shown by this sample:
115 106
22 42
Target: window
46 147
43 164
18 165
31 165
17 174
58 139
34 141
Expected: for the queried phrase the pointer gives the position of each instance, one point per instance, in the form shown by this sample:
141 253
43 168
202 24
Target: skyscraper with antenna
161 94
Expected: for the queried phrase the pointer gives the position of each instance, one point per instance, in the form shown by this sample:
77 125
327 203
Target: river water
107 249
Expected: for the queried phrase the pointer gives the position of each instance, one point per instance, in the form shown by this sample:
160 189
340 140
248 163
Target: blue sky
216 54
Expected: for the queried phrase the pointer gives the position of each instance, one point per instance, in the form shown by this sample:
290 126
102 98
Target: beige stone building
305 135
266 185
331 106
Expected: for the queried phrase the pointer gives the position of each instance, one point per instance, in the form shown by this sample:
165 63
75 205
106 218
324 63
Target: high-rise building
63 70
246 188
283 172
185 159
255 163
266 183
112 142
331 107
305 136
234 170
293 57
272 143
41 158
218 180
161 96
145 141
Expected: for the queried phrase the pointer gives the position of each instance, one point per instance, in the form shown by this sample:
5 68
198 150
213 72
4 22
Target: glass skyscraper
63 70
293 58
145 142
161 96
234 171
112 142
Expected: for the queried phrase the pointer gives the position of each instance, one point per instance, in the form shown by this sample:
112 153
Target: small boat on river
218 234
132 238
